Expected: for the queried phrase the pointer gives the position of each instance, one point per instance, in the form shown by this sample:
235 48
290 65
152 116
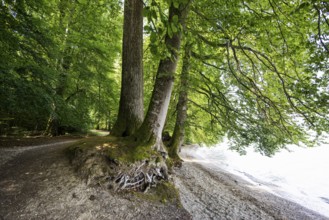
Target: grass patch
122 150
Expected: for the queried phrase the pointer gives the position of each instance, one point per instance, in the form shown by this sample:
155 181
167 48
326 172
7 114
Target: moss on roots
123 150
119 163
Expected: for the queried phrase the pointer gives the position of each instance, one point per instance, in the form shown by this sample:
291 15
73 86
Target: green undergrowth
122 150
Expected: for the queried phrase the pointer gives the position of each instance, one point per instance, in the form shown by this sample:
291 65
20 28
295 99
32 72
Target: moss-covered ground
122 150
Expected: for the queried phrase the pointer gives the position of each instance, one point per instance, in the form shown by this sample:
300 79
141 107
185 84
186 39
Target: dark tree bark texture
131 110
179 131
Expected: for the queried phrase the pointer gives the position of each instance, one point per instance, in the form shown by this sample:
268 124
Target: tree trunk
98 116
109 124
52 128
131 109
151 129
179 131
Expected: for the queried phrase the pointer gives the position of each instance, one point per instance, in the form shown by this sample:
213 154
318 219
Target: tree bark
151 129
52 128
131 109
179 131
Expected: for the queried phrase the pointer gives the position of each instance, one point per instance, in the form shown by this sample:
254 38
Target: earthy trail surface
208 192
37 182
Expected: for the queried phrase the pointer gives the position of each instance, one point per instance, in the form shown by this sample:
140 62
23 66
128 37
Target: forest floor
38 182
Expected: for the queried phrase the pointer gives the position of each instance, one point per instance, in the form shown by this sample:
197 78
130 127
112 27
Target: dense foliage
58 58
255 62
258 69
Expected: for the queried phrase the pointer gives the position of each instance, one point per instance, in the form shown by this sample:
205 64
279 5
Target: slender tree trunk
109 124
179 131
99 107
53 123
131 109
151 129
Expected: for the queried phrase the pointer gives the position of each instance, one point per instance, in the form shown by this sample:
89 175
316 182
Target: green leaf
83 2
174 28
154 49
153 37
147 29
170 32
154 14
176 3
146 12
175 19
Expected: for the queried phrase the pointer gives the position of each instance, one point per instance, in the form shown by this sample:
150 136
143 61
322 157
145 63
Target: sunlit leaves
256 62
259 73
82 1
41 42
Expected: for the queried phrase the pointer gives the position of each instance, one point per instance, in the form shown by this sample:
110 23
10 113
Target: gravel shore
210 193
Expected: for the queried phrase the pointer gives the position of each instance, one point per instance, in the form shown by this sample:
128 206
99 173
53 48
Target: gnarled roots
140 177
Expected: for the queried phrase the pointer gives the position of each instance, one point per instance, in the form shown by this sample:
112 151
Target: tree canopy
59 53
257 70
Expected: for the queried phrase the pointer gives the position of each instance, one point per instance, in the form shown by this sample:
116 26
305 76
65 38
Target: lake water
300 174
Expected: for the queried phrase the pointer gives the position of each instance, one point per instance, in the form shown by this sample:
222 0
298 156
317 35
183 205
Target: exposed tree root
99 169
141 177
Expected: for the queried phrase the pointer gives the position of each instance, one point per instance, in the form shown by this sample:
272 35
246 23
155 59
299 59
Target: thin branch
209 112
319 28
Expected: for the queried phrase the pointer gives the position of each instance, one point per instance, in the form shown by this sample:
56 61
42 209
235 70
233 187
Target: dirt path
30 170
39 183
216 194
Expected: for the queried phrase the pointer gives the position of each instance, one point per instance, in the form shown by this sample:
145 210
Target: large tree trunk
179 132
131 111
151 129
